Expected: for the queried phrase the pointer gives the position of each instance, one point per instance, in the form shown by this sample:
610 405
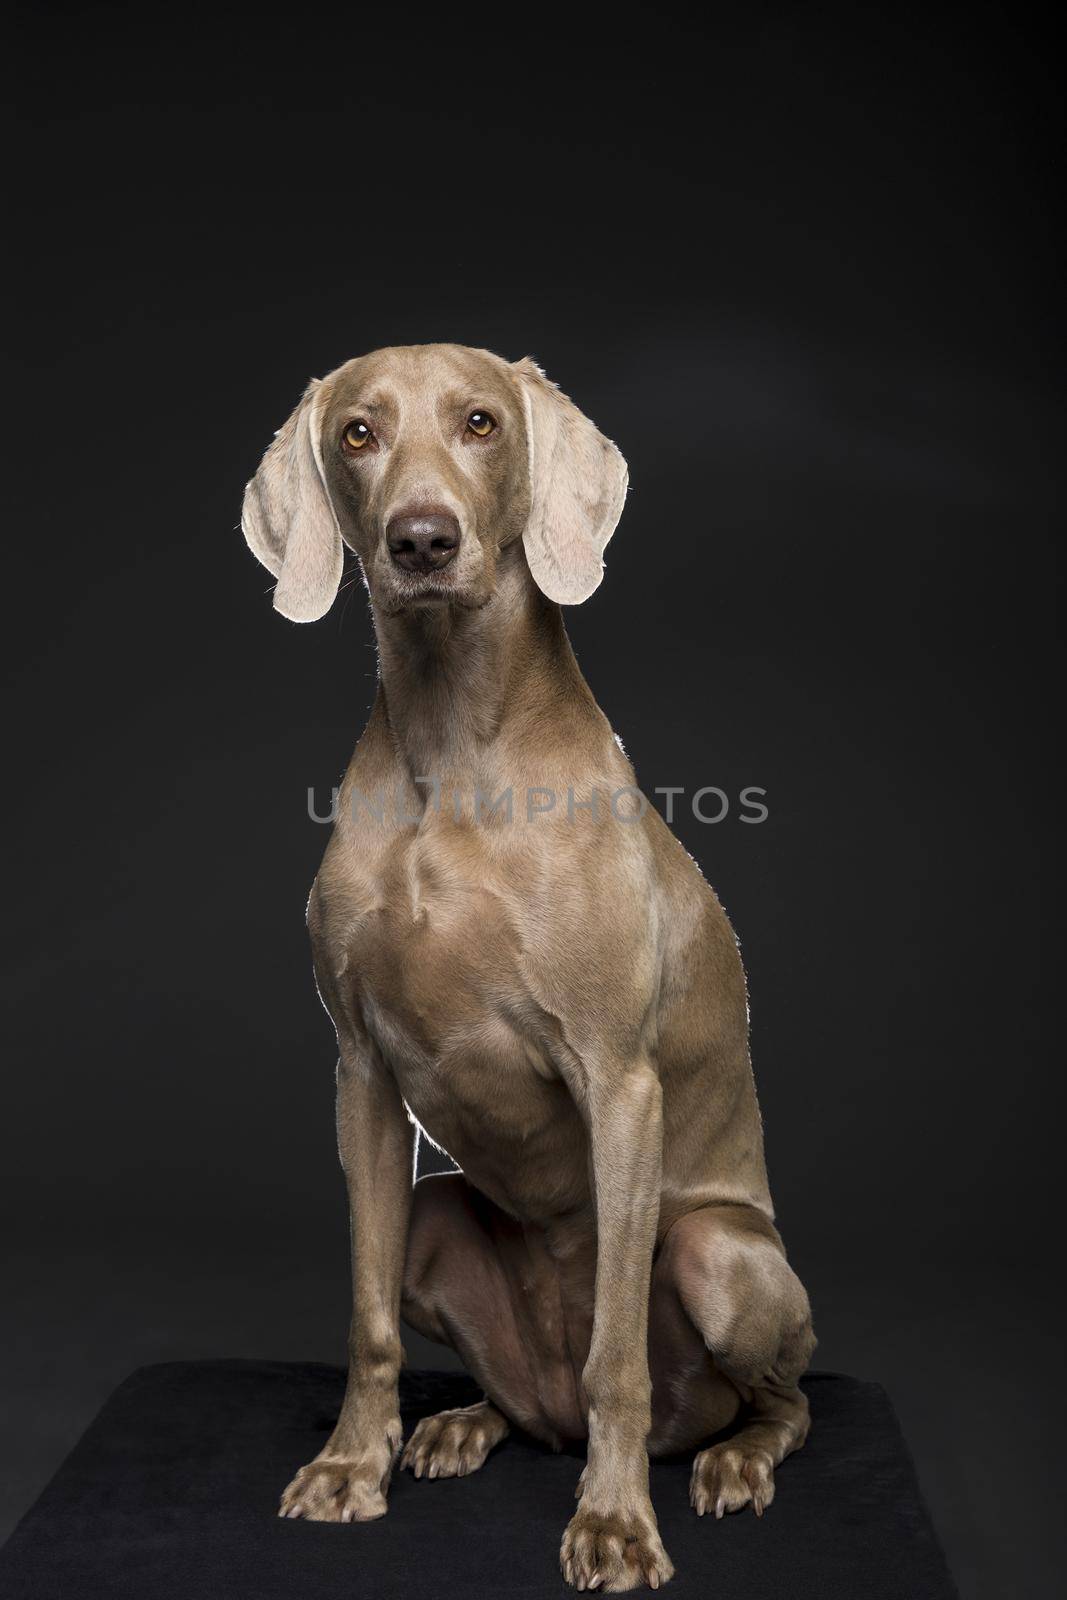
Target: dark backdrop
800 268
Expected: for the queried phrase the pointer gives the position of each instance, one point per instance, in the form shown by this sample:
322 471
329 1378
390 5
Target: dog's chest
435 949
436 956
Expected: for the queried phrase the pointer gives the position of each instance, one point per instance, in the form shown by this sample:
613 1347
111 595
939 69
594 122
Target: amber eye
357 435
481 423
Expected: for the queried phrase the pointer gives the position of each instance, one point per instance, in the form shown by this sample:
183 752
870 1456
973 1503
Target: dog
551 993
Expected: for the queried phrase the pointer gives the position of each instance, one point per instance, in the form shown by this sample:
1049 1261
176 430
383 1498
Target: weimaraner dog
521 960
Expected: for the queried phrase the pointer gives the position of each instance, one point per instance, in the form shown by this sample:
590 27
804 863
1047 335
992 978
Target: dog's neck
452 681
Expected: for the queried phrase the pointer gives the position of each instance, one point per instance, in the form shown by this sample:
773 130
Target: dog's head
427 461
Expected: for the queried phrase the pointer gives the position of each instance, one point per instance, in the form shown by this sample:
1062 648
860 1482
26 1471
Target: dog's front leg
347 1481
613 1542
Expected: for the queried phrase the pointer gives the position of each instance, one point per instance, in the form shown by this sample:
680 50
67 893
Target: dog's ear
288 520
577 489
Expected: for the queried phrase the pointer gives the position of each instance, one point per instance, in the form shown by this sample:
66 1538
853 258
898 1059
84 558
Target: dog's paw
726 1478
335 1488
614 1553
453 1443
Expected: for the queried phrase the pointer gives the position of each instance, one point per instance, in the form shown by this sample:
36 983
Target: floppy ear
288 520
577 489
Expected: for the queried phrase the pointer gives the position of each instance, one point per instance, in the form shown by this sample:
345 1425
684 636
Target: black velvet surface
172 1494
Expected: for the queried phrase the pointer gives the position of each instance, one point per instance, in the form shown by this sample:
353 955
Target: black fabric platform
172 1495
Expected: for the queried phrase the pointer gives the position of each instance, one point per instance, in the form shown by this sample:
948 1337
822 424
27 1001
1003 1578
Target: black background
800 266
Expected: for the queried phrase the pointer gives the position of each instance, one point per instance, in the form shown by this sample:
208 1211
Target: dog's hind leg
723 1269
454 1443
739 1471
477 1281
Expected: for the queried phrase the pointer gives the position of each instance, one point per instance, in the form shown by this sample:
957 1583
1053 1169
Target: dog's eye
481 423
357 435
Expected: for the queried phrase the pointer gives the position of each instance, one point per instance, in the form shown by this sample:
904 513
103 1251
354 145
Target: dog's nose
422 541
